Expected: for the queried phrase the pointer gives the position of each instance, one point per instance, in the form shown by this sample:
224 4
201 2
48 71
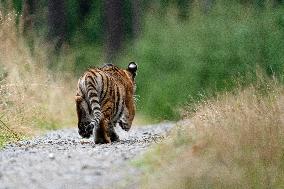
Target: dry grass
233 141
31 98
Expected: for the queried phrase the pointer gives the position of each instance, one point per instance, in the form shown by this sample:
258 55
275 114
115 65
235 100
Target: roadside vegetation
32 99
235 140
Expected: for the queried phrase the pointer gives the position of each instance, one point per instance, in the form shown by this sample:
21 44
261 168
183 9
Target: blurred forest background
187 50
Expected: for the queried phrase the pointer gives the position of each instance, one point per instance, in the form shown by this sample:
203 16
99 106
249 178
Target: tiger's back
105 96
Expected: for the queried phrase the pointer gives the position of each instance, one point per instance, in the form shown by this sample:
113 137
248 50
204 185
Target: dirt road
61 159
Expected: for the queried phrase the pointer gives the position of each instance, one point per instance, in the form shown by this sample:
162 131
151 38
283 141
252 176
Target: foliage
188 60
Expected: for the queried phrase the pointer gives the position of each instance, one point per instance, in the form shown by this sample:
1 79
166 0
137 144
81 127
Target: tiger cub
105 97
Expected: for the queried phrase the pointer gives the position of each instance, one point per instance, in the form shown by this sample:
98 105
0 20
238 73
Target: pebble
98 173
51 156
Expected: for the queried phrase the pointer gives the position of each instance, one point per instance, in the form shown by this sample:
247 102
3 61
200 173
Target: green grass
6 137
7 134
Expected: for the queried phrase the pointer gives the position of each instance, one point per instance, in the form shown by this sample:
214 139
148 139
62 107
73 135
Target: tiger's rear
105 97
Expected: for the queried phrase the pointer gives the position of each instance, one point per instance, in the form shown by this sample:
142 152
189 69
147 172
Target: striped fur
105 97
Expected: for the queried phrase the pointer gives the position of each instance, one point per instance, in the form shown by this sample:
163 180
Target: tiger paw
114 137
89 129
102 141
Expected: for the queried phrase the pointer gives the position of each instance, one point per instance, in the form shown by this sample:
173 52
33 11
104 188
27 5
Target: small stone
51 156
98 173
84 167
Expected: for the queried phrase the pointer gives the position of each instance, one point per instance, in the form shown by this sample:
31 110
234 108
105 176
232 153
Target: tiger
105 97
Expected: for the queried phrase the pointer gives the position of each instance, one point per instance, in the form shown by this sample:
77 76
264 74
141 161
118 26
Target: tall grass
191 59
31 98
233 141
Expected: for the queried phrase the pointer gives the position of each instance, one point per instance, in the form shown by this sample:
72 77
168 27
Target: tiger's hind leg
99 138
113 135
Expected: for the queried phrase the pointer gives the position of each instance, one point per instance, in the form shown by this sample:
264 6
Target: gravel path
61 159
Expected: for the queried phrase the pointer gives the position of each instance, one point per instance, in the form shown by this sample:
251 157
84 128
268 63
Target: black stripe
115 99
117 102
107 84
92 79
93 101
103 84
96 108
90 88
92 94
113 96
94 73
120 113
89 108
80 87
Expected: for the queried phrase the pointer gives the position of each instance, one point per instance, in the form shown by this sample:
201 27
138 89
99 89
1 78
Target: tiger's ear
132 68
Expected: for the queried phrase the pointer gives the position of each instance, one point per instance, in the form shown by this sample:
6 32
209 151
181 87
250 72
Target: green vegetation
183 61
6 134
233 141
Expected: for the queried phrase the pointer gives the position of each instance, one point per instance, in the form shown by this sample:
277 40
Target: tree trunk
183 7
136 14
113 27
207 5
56 22
28 16
84 8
